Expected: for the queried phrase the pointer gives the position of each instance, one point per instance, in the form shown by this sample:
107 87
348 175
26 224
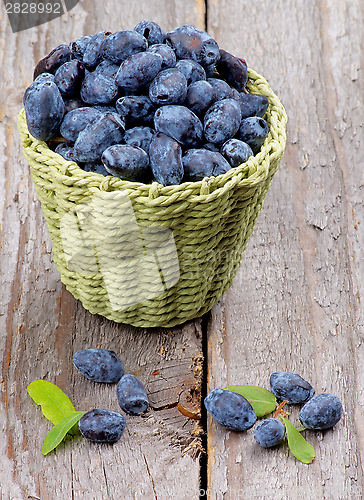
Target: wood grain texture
297 302
41 324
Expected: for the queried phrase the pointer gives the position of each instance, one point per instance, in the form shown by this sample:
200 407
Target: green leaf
54 402
300 448
56 435
301 428
262 400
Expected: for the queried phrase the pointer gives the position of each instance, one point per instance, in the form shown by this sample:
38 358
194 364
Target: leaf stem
279 409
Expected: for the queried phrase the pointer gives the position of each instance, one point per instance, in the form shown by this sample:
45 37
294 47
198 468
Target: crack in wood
106 482
164 407
150 475
203 418
15 298
206 14
72 482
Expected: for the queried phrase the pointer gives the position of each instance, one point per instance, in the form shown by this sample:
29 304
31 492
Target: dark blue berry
322 411
44 110
291 387
76 120
69 77
199 97
137 71
104 108
192 70
93 52
221 121
130 163
230 409
151 31
166 53
253 131
137 109
97 136
233 70
253 105
211 71
236 152
189 42
102 426
165 156
179 123
200 163
235 94
42 78
99 365
168 87
98 89
139 136
51 62
211 147
73 103
96 168
269 432
107 68
65 149
131 395
222 90
78 47
119 46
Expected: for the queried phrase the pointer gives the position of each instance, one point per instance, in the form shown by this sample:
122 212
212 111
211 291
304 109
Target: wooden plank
41 325
297 302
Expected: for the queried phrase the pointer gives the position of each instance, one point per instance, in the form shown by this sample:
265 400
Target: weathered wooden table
296 303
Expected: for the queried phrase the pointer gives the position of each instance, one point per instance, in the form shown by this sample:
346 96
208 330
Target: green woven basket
149 255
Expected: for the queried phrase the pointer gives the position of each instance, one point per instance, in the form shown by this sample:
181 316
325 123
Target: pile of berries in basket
145 105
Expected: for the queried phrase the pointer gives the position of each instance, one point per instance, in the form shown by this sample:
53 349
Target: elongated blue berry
99 365
230 409
269 432
322 411
131 395
102 426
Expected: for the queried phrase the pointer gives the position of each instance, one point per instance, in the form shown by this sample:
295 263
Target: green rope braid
145 254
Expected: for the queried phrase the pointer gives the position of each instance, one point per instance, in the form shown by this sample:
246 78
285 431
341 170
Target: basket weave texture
145 254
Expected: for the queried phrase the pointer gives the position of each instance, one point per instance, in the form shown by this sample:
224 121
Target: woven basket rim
248 174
